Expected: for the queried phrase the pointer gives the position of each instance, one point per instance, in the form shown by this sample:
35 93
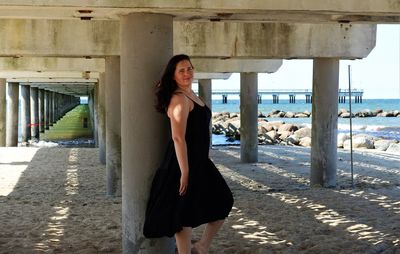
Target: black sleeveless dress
208 197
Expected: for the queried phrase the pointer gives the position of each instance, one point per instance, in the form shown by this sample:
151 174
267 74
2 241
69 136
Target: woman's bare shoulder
179 98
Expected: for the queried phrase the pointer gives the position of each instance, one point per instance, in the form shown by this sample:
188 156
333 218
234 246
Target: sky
378 74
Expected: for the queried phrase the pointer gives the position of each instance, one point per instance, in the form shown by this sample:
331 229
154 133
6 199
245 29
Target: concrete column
47 100
248 117
12 114
92 112
101 118
205 91
95 122
56 106
25 113
34 99
3 105
41 110
52 108
144 132
113 125
324 122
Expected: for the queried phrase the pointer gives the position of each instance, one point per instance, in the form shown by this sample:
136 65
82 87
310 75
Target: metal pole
351 130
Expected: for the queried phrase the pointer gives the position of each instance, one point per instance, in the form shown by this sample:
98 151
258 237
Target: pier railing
342 93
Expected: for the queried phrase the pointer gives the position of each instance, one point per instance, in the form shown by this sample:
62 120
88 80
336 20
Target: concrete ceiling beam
52 80
213 75
49 74
61 38
236 65
72 38
42 64
280 40
382 11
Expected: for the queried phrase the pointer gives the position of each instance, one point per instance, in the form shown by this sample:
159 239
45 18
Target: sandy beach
52 200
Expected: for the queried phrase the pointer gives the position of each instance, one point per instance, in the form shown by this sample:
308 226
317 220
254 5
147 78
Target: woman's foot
198 248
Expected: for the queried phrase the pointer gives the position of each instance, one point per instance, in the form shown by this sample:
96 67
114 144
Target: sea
379 127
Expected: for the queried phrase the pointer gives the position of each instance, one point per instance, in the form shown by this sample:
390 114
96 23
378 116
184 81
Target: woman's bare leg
203 245
183 240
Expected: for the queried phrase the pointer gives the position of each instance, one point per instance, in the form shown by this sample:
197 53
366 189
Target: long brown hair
167 85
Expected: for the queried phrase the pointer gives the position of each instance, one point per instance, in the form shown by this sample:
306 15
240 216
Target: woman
188 189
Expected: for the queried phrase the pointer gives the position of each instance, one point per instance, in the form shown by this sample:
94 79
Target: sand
52 200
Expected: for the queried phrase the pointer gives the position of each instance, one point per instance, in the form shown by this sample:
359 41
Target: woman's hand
184 183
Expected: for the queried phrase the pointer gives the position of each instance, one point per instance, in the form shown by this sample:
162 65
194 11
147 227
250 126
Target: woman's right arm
178 111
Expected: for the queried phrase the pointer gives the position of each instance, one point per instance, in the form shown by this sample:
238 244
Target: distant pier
292 93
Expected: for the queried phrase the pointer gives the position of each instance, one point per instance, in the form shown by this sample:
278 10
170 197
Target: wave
370 128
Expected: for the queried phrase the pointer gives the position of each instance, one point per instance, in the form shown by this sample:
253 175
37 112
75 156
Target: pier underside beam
100 38
273 40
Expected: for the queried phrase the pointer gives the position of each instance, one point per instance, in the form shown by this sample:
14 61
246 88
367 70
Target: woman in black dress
188 189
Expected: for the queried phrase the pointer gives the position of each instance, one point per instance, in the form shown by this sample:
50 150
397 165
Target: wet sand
52 200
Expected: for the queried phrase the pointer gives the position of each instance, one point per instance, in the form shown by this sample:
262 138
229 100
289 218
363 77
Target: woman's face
184 74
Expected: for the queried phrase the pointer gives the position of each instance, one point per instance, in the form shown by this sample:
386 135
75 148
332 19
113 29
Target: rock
293 139
365 113
394 148
284 135
386 114
383 144
271 125
342 111
233 128
261 115
223 116
346 115
301 115
287 127
396 113
272 135
377 111
341 137
233 115
303 132
289 114
269 137
305 141
359 142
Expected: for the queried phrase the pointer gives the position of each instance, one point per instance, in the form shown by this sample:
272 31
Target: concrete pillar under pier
248 117
51 108
101 118
324 122
47 102
113 125
34 100
95 117
25 113
144 132
41 110
12 114
92 111
205 91
3 105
